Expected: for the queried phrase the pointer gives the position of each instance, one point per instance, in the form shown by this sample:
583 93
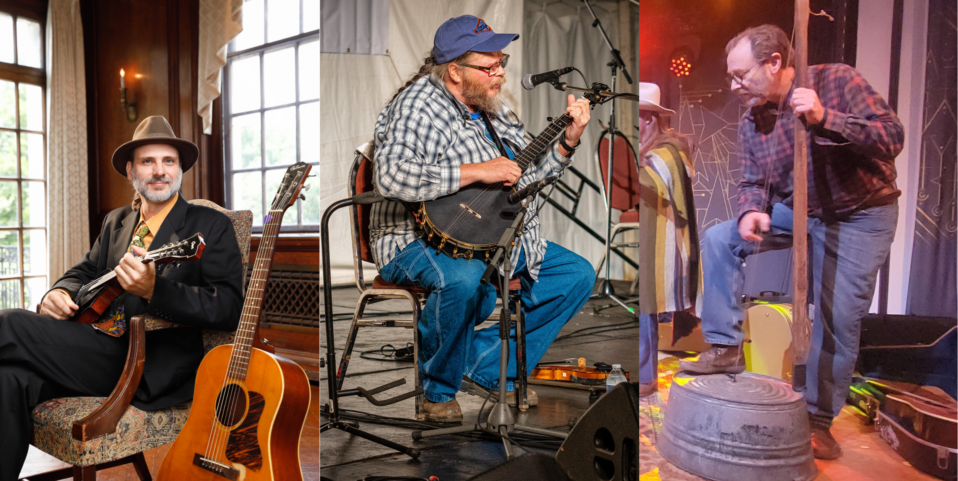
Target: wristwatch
567 147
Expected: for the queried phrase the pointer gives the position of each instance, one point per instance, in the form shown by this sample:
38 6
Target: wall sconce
129 109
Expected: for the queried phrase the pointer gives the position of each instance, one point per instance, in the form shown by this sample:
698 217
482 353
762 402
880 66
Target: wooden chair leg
142 470
84 473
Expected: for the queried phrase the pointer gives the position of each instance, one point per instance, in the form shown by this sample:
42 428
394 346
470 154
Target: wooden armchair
93 433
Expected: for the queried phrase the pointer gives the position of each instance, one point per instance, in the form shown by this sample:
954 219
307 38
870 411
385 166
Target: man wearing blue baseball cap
431 141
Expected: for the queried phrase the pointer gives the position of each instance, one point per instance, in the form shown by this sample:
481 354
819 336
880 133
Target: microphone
530 190
530 81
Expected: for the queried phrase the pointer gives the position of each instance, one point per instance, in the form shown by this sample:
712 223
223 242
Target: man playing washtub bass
854 138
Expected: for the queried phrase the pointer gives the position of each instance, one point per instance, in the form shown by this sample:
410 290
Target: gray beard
141 188
475 95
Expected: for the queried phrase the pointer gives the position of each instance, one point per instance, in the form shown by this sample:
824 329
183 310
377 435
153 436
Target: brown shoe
824 445
471 387
447 412
717 360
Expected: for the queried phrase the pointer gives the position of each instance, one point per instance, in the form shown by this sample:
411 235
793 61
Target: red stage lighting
681 62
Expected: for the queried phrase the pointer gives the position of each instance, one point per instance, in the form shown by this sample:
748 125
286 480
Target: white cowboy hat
649 95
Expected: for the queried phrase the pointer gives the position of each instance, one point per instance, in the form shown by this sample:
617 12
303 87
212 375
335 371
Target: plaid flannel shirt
421 139
851 153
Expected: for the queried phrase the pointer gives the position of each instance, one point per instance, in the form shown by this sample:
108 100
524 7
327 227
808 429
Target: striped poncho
669 267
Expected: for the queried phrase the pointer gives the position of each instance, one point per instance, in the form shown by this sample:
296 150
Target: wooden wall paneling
157 40
302 251
131 35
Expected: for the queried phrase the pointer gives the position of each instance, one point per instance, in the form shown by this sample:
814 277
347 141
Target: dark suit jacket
204 294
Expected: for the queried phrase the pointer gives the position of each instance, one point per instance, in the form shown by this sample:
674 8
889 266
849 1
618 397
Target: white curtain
220 22
355 26
354 88
67 154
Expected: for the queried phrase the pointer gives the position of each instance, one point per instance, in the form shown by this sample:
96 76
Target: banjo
470 222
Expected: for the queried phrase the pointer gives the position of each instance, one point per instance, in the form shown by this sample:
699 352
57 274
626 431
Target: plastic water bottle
615 377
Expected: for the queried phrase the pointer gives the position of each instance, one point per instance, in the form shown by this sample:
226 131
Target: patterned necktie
113 321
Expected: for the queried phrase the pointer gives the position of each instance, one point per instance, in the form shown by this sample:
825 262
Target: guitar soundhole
230 405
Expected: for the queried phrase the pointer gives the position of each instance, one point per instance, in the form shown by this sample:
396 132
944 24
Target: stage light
681 62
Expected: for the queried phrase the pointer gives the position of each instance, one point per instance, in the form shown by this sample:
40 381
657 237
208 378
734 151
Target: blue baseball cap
459 35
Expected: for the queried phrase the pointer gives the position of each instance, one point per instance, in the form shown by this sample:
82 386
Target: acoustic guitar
249 406
96 297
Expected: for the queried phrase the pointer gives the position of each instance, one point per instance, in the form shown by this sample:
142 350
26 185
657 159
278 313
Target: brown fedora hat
155 130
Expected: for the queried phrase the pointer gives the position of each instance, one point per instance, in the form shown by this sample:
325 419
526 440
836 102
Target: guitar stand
501 421
331 409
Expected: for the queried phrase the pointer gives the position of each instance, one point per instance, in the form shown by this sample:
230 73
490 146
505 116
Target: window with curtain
23 220
271 107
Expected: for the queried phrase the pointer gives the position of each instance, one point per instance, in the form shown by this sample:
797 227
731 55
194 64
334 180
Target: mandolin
96 297
249 406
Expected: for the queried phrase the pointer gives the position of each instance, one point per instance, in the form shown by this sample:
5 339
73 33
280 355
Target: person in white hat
667 224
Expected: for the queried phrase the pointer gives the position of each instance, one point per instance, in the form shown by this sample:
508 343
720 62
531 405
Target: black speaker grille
292 298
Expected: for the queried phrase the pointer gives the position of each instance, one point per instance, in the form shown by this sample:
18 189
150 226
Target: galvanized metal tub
754 428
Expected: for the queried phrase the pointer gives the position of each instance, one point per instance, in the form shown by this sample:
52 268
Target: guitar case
933 459
915 349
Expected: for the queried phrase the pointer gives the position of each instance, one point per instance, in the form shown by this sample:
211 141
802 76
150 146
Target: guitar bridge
464 206
215 467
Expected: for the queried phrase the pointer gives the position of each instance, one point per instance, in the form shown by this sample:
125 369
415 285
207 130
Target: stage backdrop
932 290
553 34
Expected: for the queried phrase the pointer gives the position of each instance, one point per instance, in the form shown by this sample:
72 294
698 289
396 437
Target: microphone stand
606 290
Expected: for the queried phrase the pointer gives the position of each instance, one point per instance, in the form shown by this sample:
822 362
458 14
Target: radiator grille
292 298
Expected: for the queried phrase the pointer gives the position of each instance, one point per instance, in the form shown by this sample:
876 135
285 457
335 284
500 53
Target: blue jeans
649 345
846 257
457 302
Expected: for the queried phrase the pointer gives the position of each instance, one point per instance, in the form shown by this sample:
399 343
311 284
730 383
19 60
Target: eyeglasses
492 69
740 79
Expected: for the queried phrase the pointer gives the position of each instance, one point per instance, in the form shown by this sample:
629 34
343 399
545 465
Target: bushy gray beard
475 95
142 187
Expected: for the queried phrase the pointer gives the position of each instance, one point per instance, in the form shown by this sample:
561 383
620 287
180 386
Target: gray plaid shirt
421 139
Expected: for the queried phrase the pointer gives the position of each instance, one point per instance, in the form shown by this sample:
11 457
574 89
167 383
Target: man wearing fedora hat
43 356
430 141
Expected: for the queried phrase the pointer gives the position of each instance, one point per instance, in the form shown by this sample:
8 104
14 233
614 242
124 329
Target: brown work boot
824 445
447 412
718 359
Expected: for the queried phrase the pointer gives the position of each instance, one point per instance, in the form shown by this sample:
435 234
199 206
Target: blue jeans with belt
846 257
457 302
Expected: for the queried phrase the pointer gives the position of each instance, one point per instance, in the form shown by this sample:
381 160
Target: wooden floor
865 455
39 462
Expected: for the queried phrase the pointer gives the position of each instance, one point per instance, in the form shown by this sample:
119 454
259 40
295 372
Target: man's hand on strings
500 169
134 276
580 113
58 305
805 103
752 224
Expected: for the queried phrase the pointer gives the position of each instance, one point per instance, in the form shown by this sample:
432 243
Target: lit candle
122 79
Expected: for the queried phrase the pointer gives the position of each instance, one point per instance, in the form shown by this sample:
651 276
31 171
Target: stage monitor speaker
603 445
531 467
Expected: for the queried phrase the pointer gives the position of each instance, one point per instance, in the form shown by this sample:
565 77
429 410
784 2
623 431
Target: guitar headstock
290 187
189 249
